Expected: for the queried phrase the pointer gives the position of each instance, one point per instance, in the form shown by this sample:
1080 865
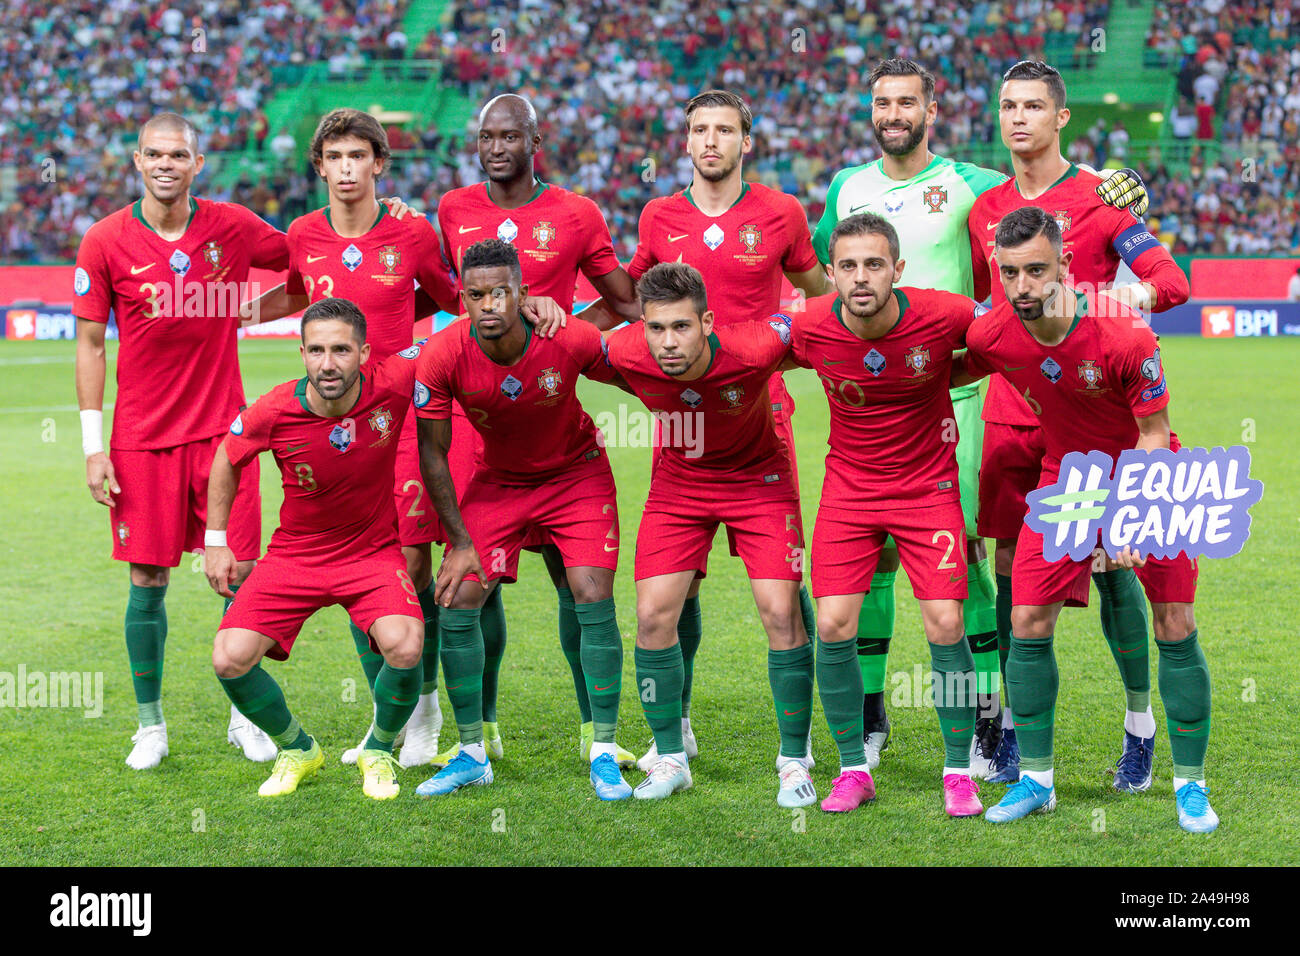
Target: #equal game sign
1159 502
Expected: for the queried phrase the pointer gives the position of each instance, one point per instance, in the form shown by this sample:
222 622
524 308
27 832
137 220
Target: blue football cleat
463 771
609 783
1133 769
1195 815
1006 761
1023 798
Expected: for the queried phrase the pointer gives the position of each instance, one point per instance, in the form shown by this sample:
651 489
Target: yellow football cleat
587 736
492 739
378 774
446 757
291 768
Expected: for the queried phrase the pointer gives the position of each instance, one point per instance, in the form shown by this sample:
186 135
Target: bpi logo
1225 321
28 324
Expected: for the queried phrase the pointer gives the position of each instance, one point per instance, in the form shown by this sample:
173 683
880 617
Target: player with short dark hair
335 436
172 269
542 467
708 382
1096 383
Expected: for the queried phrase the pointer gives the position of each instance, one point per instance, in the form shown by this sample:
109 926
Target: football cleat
984 747
447 756
1133 769
609 783
150 747
665 778
1021 799
959 798
292 767
587 736
378 774
651 757
1195 815
849 791
249 738
462 771
420 744
492 739
350 755
796 785
874 742
1006 762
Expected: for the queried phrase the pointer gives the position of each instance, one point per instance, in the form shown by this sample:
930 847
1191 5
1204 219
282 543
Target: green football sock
571 646
808 613
493 621
258 697
690 631
429 660
397 689
980 616
791 675
1004 624
839 682
602 664
461 637
371 660
1184 679
659 676
953 678
227 601
146 636
1124 625
1032 683
875 629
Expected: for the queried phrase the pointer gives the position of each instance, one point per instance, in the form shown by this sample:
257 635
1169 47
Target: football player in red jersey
883 354
172 269
1094 376
558 235
1100 238
542 467
743 238
335 434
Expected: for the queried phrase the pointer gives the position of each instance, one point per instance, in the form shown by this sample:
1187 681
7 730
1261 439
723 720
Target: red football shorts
1011 465
677 532
281 593
578 510
931 539
162 509
417 519
1037 582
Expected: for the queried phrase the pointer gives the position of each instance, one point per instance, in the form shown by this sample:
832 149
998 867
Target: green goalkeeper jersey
929 213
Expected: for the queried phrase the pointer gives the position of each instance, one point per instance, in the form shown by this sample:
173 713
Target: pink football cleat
849 791
959 796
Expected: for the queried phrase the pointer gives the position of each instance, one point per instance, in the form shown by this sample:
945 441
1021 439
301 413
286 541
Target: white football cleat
150 747
651 756
420 745
796 784
350 756
250 738
874 743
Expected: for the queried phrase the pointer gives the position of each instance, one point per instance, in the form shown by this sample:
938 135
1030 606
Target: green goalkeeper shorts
966 407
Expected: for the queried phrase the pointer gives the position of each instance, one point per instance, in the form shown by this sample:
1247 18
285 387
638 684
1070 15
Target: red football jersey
1100 236
558 234
337 472
533 425
177 308
377 271
718 430
1087 390
893 438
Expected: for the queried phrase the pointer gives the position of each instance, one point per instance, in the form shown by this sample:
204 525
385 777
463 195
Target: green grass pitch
69 799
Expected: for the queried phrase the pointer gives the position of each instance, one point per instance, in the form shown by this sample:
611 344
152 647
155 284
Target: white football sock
1041 777
857 766
478 751
1140 725
598 748
960 771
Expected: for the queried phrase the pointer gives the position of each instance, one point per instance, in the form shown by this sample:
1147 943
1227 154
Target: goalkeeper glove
1125 188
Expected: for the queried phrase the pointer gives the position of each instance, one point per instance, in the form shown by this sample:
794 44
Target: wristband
214 539
1139 294
92 431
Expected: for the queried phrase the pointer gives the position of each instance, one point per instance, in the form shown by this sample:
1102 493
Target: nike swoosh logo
833 361
1131 650
675 238
841 733
290 449
648 392
606 687
311 259
464 229
608 548
1013 368
954 730
859 208
136 270
1188 730
457 687
955 578
1019 724
143 673
991 225
795 713
475 392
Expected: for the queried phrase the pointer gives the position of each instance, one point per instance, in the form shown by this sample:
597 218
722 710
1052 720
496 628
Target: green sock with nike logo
371 660
429 661
571 647
492 620
146 635
258 697
1184 679
1124 625
659 677
397 689
462 669
602 664
839 683
1032 683
791 675
953 679
980 617
875 629
690 632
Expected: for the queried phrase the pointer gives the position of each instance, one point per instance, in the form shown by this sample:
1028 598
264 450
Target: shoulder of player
663 204
929 300
307 221
815 311
107 229
849 172
626 345
273 404
1118 326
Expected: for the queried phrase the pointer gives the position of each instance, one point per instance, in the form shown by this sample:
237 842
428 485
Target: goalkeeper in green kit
927 199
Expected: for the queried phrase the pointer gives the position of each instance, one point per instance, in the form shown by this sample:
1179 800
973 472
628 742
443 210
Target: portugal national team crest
1090 374
390 259
1062 218
381 420
212 254
123 532
917 359
750 237
549 382
543 232
732 394
934 198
